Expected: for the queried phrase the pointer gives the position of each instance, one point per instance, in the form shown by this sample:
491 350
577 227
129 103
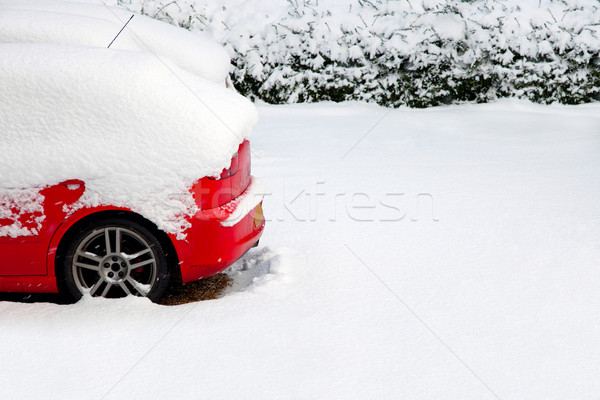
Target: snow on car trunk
137 128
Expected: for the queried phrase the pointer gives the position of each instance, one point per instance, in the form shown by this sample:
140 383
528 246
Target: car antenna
130 18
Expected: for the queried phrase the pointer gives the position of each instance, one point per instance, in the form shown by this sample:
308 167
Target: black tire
114 258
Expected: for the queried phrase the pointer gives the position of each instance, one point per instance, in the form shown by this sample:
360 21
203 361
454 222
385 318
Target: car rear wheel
115 258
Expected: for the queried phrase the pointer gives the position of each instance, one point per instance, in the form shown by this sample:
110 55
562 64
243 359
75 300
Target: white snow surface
95 24
136 128
447 253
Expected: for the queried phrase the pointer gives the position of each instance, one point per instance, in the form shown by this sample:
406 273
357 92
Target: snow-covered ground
448 253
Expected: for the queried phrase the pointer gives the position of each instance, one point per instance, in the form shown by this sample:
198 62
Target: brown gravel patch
205 289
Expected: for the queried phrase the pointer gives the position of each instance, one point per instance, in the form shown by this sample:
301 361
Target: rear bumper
218 237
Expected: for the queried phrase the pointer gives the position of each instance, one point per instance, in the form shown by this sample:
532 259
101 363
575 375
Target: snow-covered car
120 168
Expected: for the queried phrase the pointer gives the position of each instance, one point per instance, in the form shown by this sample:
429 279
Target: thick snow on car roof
95 24
138 129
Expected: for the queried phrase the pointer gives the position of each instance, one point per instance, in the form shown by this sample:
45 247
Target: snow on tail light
232 170
245 203
211 192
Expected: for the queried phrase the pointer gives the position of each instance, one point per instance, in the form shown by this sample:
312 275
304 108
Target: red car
112 251
92 118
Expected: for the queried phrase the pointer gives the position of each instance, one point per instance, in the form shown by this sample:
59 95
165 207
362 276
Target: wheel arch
69 229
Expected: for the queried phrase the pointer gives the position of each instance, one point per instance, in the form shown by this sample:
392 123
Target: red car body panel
27 263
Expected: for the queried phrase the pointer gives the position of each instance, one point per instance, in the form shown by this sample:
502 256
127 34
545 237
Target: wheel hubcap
116 269
113 262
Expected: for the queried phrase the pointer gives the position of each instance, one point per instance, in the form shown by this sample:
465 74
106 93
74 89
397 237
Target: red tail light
214 192
233 168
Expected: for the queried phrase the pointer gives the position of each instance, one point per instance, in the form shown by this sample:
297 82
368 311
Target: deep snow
137 129
492 292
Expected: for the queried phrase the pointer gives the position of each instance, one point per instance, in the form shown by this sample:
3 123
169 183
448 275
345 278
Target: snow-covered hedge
401 52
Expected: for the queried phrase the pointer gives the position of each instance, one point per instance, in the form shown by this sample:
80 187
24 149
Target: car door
21 220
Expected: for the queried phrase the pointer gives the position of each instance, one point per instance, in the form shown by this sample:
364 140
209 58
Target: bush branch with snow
406 52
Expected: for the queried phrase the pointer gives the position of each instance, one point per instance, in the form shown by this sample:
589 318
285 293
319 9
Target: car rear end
230 220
